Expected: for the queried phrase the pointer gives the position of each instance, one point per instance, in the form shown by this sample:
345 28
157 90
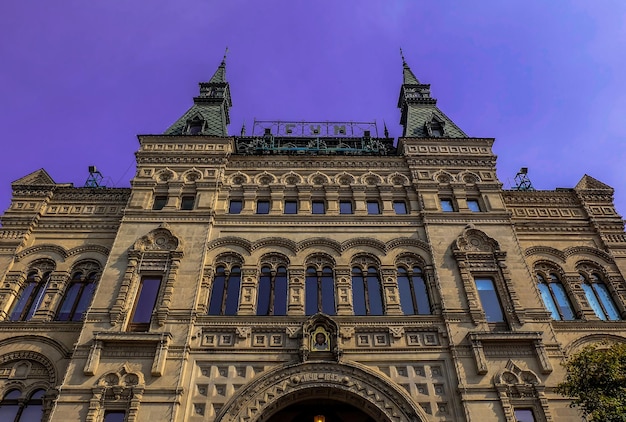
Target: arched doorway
341 392
319 410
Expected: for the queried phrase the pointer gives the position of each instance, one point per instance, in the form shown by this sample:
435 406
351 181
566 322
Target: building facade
304 272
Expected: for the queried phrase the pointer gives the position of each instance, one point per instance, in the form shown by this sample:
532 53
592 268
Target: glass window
159 202
373 207
413 293
555 298
235 207
599 297
195 127
30 297
77 297
446 205
524 415
262 207
489 299
225 291
291 207
367 297
345 207
11 410
320 291
473 205
187 202
144 305
114 416
399 207
318 207
272 297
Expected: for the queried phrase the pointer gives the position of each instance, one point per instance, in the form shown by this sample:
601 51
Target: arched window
272 296
320 291
225 291
13 409
555 297
599 297
79 293
30 297
367 295
413 293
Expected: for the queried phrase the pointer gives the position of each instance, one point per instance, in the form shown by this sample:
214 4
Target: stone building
315 271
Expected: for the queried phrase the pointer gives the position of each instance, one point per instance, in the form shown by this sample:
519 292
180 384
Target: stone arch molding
386 402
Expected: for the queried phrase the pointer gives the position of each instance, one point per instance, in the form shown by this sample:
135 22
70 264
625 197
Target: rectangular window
473 205
144 305
345 207
114 416
399 207
235 207
373 207
291 207
489 299
187 202
262 207
318 207
524 415
159 202
446 205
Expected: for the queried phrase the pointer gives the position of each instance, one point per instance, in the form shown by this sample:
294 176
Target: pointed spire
210 110
243 129
407 75
220 74
386 131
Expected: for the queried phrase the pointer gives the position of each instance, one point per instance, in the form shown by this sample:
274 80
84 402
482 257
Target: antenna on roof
522 181
95 178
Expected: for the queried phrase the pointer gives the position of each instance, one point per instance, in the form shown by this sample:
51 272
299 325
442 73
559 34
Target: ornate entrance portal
320 410
340 392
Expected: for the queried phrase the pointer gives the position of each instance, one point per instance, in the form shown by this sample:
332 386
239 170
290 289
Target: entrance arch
343 388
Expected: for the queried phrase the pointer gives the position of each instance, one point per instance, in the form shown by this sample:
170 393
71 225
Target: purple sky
80 79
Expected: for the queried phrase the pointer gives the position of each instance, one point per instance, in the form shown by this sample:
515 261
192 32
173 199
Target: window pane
25 296
217 292
149 289
374 292
562 301
83 301
263 207
310 290
159 202
605 297
524 415
35 298
265 291
399 207
328 292
548 301
489 299
446 205
33 412
406 296
373 207
318 207
232 292
345 207
358 292
234 207
291 207
593 300
114 416
421 294
472 204
65 311
280 292
187 202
